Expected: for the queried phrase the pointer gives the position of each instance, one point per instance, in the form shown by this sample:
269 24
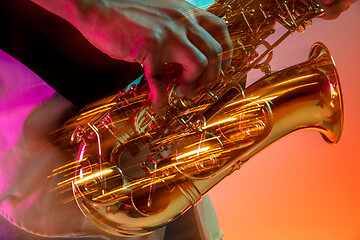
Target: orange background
300 187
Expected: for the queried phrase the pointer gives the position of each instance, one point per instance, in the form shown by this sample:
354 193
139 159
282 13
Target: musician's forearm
73 11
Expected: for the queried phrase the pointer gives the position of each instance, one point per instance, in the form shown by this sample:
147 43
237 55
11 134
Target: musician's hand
161 31
152 33
333 8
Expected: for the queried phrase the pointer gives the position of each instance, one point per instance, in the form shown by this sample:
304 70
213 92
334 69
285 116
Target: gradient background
300 187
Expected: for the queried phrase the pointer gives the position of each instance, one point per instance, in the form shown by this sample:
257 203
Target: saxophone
136 171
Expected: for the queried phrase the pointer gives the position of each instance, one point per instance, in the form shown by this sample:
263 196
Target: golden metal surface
136 172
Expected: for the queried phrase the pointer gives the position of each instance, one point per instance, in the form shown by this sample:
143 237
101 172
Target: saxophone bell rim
332 134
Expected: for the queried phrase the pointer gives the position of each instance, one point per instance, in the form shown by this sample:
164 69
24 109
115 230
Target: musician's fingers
183 52
212 50
217 28
194 62
156 79
198 47
333 8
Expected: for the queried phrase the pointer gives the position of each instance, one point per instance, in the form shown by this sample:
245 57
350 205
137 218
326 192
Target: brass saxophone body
136 172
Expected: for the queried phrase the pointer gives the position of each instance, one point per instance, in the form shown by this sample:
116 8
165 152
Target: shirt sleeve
26 154
29 199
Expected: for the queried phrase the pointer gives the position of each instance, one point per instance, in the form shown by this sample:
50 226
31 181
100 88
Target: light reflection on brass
92 176
220 122
188 154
